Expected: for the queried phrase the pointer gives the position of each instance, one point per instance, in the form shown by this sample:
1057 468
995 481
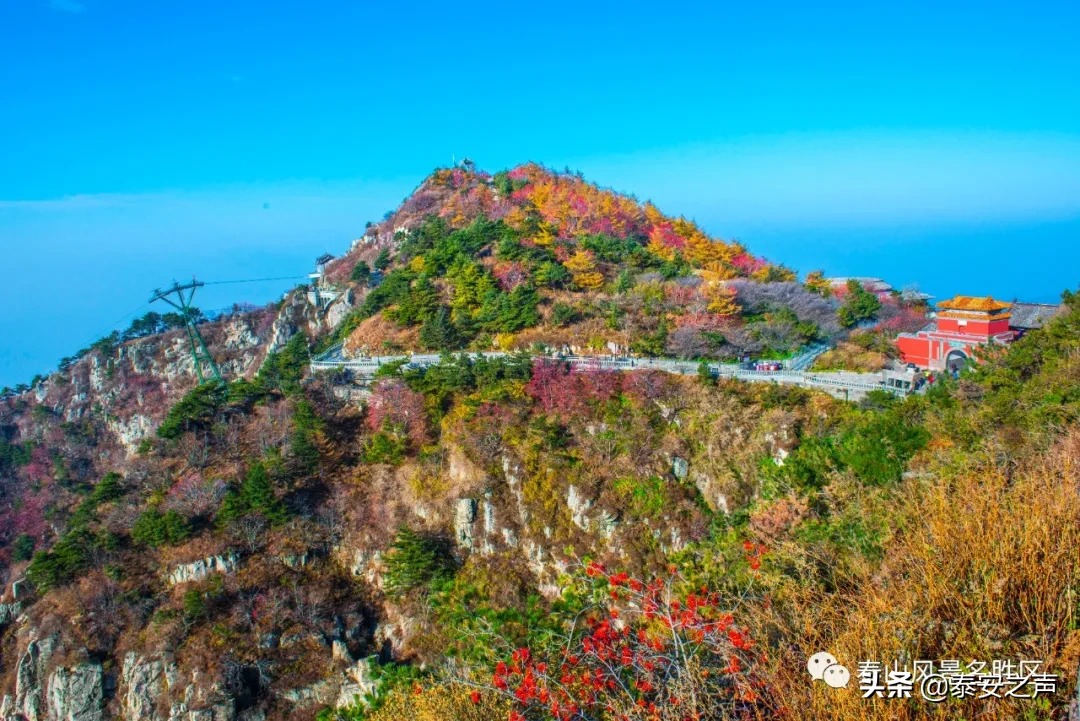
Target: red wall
914 350
981 328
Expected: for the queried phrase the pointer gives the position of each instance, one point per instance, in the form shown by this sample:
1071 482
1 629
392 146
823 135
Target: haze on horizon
143 142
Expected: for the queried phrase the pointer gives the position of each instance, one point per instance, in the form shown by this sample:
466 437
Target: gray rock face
680 467
294 313
359 682
75 694
339 309
201 569
9 612
578 508
319 693
30 677
144 682
20 589
131 431
464 516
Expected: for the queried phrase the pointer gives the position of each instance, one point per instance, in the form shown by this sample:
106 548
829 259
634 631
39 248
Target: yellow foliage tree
589 281
815 282
658 247
438 703
722 300
772 274
580 262
716 272
416 265
545 237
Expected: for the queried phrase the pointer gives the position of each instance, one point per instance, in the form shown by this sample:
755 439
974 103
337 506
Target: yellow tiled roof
969 302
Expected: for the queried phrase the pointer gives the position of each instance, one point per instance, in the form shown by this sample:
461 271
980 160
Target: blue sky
142 141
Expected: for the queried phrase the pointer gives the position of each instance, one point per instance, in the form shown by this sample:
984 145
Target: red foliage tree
558 390
509 274
395 403
642 650
193 495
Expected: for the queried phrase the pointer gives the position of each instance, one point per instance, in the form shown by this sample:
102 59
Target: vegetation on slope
531 258
475 524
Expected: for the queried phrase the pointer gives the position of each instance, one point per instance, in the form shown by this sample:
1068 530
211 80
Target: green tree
386 446
414 562
859 305
259 497
438 332
361 273
108 488
306 426
624 282
232 508
563 314
285 369
704 374
197 409
551 275
22 548
420 303
382 260
194 605
878 449
154 529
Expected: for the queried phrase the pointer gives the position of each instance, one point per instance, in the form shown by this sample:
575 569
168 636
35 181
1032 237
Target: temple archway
956 361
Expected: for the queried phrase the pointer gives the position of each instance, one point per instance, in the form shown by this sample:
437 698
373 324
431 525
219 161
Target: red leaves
558 390
754 554
392 402
626 652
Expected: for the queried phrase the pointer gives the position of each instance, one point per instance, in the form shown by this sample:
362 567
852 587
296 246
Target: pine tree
438 332
705 376
108 488
382 261
361 273
258 495
414 561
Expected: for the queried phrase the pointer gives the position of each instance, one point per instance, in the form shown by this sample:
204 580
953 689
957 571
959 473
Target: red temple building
961 325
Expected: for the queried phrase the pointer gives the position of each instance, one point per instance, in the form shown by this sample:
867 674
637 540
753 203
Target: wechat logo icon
822 666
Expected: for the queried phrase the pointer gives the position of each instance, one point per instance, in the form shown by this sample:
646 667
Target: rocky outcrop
76 694
144 683
359 683
680 467
464 516
339 309
9 612
203 568
295 314
29 701
239 335
578 507
131 431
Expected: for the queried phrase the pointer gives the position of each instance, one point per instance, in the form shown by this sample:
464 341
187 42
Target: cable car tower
199 352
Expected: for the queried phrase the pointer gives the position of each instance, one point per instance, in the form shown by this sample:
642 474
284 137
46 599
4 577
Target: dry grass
850 357
441 703
986 566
